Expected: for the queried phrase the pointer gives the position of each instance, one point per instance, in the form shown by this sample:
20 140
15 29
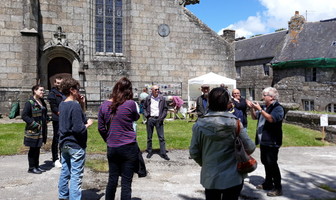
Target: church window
108 26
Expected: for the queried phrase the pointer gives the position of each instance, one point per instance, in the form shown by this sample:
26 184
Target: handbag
141 170
245 162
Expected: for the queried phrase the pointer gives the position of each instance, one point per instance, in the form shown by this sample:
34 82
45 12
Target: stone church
99 41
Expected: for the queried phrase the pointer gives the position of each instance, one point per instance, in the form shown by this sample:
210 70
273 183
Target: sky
252 17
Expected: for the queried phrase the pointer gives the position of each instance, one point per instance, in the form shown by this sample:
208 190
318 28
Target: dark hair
218 99
67 84
121 92
58 78
36 87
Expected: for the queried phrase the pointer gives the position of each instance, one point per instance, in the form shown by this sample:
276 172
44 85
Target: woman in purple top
177 103
115 125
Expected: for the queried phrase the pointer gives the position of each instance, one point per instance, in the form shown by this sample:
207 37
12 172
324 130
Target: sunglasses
156 89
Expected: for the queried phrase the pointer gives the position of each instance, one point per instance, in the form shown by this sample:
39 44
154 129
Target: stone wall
253 76
293 88
28 43
189 50
312 121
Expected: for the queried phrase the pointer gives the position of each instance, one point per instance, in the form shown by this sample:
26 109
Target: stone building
99 41
300 63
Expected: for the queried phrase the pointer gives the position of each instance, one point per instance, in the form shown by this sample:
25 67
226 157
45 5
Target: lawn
177 135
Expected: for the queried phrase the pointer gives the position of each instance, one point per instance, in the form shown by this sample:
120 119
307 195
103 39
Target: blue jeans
72 172
122 162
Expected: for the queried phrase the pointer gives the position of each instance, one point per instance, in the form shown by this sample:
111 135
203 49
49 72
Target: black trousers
269 158
151 123
231 193
54 146
123 162
33 157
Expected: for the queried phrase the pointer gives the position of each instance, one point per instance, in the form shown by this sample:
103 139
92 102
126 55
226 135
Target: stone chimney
229 35
296 22
295 25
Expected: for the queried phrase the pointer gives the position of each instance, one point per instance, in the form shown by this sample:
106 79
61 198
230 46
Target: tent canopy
211 79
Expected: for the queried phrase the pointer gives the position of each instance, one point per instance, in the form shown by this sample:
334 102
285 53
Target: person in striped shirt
115 124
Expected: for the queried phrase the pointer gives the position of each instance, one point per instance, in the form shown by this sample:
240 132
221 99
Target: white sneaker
57 164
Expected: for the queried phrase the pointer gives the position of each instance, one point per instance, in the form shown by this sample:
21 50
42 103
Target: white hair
271 91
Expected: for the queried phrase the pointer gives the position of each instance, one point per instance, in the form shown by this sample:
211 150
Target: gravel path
304 171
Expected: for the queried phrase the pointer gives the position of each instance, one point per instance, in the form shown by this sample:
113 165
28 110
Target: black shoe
40 169
149 155
165 157
274 193
34 171
262 187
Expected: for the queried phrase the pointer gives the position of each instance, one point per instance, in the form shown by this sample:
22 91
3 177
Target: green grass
293 135
326 187
177 134
11 138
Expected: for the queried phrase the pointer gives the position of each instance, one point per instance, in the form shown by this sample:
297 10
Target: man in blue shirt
269 136
202 101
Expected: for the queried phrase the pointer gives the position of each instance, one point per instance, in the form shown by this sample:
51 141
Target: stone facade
293 88
300 63
42 39
252 79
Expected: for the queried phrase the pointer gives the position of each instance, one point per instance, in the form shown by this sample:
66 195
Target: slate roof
260 47
316 40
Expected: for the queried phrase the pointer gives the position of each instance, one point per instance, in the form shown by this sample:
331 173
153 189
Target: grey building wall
30 39
293 88
252 79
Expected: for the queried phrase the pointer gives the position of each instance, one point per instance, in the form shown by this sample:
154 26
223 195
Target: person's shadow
92 194
47 165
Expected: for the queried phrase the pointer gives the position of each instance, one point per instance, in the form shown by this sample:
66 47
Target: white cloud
278 12
247 28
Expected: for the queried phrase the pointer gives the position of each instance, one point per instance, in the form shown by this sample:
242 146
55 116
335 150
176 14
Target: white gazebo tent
211 79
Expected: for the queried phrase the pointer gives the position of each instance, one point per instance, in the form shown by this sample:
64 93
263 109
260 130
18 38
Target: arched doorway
58 66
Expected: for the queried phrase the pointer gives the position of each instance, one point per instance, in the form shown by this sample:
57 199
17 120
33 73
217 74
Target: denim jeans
71 173
122 162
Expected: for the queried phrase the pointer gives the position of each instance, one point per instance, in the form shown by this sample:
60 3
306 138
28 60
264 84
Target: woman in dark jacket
35 115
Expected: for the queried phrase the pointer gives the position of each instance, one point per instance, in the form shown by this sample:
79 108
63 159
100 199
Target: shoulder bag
245 162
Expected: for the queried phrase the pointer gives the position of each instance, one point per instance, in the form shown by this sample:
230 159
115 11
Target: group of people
70 133
212 143
116 118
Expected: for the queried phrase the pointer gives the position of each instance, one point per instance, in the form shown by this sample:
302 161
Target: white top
154 107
